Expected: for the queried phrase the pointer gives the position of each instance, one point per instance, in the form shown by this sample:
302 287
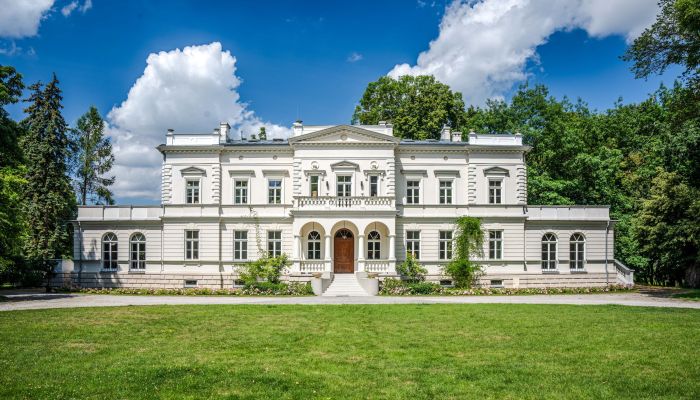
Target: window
137 255
413 243
274 243
110 248
190 283
374 246
191 245
192 191
344 185
373 186
445 192
549 252
313 246
412 192
495 245
240 245
274 191
313 185
495 191
240 195
577 246
445 245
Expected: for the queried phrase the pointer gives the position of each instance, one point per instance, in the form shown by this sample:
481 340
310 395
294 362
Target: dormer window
192 191
495 191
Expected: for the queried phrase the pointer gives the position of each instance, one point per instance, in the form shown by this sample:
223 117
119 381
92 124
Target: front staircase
344 285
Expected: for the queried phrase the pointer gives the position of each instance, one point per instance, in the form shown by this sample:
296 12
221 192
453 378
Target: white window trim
585 252
503 189
352 182
185 244
440 241
420 191
452 190
420 240
556 252
199 185
282 185
240 241
247 194
369 185
501 241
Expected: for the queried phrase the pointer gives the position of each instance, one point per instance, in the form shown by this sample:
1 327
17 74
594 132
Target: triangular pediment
193 171
343 134
345 165
496 171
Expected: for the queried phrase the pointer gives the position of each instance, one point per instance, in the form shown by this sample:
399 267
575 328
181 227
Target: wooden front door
343 252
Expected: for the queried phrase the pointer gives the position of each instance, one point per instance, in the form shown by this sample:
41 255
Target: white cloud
68 8
355 57
482 48
188 90
21 18
86 6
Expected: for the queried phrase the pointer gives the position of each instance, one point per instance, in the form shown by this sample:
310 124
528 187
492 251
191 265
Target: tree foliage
418 106
468 243
93 159
411 270
266 269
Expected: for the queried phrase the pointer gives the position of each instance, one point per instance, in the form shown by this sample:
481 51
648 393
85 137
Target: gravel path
36 300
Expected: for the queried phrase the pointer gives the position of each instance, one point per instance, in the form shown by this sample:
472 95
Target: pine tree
48 197
93 159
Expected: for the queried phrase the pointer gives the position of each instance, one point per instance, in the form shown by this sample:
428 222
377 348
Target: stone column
392 247
360 252
327 252
297 246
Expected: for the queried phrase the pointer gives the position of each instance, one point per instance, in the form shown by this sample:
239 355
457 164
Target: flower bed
395 287
260 289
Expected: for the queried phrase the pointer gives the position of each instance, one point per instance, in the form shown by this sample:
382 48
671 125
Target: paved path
35 300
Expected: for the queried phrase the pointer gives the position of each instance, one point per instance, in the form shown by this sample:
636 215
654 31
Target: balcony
355 203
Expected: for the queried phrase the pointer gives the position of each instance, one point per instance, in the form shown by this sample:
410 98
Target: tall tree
418 106
11 179
48 197
263 134
93 159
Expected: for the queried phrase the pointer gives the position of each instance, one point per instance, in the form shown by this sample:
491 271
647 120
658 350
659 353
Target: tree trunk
692 276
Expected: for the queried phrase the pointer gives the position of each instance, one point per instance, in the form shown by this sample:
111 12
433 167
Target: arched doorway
343 252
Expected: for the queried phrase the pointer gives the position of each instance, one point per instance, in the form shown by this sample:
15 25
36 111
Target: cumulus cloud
189 90
483 47
22 18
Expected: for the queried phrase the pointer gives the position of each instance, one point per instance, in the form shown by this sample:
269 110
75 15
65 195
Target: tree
93 159
672 39
418 106
48 198
469 243
263 134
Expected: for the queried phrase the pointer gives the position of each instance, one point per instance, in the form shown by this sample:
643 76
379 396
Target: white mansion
339 199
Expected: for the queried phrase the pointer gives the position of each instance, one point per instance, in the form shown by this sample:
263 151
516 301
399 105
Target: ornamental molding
193 171
496 171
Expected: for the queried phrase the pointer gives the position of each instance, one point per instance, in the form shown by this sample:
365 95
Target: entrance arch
343 252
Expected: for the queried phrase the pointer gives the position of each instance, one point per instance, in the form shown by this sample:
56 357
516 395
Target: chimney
472 135
169 137
445 133
298 128
224 129
388 127
456 136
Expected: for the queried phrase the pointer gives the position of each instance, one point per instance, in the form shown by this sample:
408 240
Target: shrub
464 273
469 242
395 287
266 268
256 289
411 269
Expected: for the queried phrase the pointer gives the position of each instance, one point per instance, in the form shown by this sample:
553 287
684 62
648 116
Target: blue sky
312 60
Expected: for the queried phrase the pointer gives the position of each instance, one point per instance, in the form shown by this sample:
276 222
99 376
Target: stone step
345 285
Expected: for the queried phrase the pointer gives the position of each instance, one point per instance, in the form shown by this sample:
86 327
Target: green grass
373 351
693 294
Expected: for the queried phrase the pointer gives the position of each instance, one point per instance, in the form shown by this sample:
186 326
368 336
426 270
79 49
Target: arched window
549 252
313 246
577 247
109 251
137 255
373 246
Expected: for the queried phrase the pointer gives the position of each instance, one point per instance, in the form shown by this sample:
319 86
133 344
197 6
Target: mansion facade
339 200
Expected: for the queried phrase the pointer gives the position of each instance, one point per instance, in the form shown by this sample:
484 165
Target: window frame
110 256
244 199
415 191
374 245
240 245
191 245
493 197
317 178
374 178
547 263
274 244
495 244
346 185
414 247
444 192
139 262
274 195
576 263
313 246
445 245
189 197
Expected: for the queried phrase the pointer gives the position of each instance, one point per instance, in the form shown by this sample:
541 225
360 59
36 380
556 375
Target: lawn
693 294
373 351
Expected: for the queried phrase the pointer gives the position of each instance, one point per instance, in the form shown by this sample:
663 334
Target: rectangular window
413 243
576 252
313 186
445 192
495 245
240 191
240 245
274 243
374 186
412 192
191 245
274 191
344 186
445 245
192 191
495 191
